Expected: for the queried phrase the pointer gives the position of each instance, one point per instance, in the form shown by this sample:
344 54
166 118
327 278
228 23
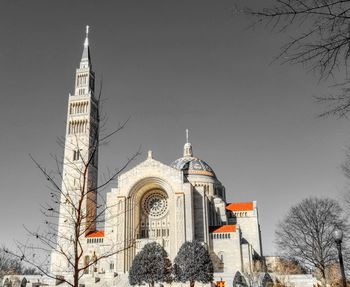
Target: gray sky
170 65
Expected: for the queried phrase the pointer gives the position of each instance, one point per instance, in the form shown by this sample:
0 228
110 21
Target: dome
193 166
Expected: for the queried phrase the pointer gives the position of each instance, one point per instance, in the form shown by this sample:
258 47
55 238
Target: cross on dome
187 147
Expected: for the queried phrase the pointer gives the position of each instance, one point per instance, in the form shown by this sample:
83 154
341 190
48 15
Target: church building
153 201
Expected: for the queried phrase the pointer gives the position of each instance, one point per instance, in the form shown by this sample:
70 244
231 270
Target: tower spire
187 147
85 58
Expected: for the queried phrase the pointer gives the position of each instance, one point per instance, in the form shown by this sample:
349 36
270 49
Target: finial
150 154
86 43
187 146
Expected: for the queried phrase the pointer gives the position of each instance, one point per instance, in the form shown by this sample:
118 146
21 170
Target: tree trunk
192 283
76 278
323 279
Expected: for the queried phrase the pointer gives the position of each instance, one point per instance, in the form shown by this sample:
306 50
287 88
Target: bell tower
78 207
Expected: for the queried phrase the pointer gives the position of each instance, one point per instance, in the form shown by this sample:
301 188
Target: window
76 154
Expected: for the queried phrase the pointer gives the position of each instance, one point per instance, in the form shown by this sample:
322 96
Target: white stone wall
227 249
81 135
122 223
249 224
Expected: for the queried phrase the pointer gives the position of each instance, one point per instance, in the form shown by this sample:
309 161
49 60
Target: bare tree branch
321 43
306 233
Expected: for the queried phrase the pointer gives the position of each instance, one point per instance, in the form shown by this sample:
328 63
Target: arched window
267 280
221 256
86 263
76 154
239 280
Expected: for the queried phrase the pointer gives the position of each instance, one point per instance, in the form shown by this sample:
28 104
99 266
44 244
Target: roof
96 233
240 206
224 228
193 166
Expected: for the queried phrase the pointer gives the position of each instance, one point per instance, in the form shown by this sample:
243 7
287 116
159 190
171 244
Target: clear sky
169 65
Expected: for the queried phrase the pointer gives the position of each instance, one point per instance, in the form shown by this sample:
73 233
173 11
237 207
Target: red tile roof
224 228
240 206
97 233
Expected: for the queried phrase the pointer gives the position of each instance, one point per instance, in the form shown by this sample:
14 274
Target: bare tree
320 41
10 265
334 275
306 233
72 212
284 266
254 273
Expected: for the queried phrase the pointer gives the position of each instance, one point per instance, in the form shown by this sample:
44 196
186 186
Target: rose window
155 204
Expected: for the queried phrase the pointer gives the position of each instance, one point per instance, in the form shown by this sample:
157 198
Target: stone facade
153 201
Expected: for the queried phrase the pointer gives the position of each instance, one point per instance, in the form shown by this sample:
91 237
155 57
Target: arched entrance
148 216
